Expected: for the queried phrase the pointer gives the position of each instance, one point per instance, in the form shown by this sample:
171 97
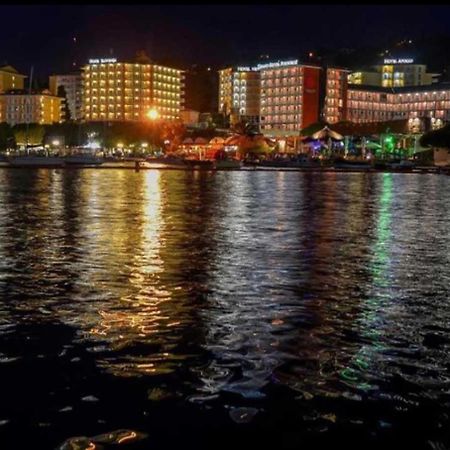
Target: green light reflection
358 369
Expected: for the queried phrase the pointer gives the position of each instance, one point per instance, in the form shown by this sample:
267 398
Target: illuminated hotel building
18 106
289 96
239 94
395 72
416 104
120 91
335 107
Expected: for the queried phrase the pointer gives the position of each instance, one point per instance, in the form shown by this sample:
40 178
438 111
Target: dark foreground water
224 310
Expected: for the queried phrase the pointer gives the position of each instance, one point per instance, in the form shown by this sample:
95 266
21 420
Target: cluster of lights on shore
152 114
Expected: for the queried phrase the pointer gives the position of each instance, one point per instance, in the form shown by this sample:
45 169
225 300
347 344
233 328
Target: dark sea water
224 310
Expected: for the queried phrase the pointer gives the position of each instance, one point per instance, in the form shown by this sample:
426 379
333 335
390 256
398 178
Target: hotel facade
239 94
336 93
289 96
419 105
122 91
18 106
282 97
395 72
292 95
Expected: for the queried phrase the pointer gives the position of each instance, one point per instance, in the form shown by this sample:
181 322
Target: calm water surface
212 310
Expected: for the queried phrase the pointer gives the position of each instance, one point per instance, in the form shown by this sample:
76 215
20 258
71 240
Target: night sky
43 36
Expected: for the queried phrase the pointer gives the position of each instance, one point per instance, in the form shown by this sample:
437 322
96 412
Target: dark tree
437 138
62 93
6 136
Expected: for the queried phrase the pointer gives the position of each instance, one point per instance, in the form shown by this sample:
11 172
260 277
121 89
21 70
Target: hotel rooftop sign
399 61
270 65
273 65
103 61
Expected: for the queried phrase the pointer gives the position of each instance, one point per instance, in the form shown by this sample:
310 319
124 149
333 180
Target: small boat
36 161
83 160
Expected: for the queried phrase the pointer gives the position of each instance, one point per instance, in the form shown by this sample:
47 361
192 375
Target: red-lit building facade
289 97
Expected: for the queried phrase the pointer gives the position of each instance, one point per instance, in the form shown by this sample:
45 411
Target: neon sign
103 61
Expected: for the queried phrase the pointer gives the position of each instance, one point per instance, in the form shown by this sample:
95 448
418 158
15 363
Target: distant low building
395 72
19 106
10 78
425 107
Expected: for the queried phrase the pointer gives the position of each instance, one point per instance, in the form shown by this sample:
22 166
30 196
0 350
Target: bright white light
94 145
144 145
153 114
55 142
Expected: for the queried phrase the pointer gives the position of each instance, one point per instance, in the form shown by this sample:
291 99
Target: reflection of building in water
335 212
253 303
122 241
139 286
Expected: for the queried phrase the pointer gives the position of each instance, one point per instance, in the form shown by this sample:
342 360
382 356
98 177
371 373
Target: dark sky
215 35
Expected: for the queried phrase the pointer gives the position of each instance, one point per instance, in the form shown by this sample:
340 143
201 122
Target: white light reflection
246 307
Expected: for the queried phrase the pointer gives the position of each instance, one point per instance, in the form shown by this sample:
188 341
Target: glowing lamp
55 142
153 114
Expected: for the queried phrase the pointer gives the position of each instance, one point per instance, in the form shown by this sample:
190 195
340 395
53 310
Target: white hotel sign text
270 65
103 61
399 61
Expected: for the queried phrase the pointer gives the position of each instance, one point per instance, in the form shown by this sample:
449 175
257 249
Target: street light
153 114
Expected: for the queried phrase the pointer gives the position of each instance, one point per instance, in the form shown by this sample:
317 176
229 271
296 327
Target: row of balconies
281 73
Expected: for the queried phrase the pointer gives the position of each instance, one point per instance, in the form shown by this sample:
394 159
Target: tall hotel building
283 97
289 96
239 94
121 91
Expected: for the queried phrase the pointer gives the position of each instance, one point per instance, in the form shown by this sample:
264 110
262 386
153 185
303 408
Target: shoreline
423 169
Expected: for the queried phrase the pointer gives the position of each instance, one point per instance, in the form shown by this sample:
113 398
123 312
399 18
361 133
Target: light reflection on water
326 284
